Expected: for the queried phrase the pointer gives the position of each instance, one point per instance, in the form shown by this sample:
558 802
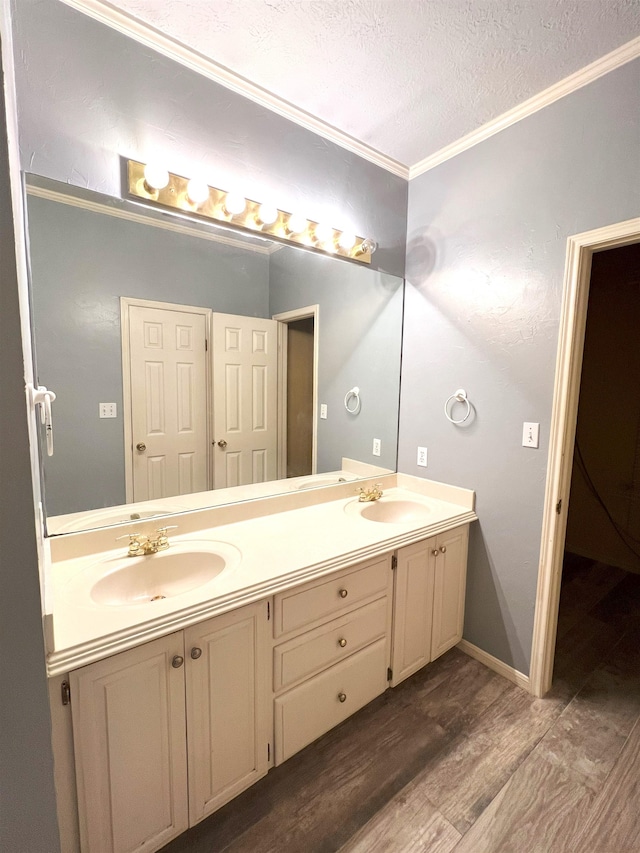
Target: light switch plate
323 411
376 447
108 410
530 434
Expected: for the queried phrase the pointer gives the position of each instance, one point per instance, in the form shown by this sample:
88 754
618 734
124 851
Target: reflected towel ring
460 397
355 394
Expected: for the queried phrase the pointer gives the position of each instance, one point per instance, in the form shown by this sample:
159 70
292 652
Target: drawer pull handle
342 697
342 642
196 653
435 552
443 549
177 661
343 593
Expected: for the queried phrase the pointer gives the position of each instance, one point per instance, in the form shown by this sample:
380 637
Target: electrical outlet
530 434
108 410
323 411
376 447
422 457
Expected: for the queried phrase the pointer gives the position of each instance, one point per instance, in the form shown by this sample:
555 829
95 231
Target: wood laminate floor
459 759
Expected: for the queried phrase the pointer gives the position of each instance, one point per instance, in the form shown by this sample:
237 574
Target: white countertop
276 551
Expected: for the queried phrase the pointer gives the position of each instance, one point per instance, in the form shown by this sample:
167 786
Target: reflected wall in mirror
93 258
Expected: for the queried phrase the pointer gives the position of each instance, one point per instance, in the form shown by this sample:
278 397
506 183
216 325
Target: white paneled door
167 372
245 400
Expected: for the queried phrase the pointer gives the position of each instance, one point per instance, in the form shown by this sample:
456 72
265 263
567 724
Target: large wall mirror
194 365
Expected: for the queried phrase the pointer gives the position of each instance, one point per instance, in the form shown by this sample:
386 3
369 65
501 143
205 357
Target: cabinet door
449 590
413 607
228 675
130 749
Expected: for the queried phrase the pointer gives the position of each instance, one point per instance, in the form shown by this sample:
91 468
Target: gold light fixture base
175 197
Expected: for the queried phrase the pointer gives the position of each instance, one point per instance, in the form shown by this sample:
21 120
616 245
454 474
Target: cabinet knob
342 697
443 549
141 446
177 661
196 653
435 552
343 593
342 642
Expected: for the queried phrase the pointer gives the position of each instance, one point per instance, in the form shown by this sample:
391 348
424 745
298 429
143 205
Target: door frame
566 392
125 303
284 318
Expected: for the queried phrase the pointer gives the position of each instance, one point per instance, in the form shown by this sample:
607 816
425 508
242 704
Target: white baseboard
496 665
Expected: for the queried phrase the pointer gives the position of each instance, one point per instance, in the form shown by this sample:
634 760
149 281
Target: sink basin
391 511
183 567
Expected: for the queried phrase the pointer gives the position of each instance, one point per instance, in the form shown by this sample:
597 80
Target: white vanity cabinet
331 653
429 593
167 732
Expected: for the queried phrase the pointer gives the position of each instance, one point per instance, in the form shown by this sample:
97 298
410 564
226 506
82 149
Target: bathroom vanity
176 705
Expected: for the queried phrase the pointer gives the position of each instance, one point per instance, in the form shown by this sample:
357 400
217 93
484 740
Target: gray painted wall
28 819
88 95
360 322
485 262
81 263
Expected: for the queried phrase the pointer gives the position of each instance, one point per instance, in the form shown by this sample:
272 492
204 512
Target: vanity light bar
190 196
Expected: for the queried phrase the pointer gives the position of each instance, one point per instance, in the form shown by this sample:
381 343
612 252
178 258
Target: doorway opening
581 258
298 379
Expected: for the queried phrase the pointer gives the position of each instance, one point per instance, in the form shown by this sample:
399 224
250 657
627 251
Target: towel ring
460 397
354 393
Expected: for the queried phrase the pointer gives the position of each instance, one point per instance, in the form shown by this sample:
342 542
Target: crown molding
167 46
620 56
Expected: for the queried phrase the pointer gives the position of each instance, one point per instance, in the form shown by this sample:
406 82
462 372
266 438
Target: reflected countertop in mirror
91 254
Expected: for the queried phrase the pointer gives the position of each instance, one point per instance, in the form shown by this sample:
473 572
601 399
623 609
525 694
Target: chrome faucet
372 494
140 544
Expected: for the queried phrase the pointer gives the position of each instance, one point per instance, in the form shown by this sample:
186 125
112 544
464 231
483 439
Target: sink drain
157 598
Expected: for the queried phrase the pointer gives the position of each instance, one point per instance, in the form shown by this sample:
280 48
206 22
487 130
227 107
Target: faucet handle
160 540
136 541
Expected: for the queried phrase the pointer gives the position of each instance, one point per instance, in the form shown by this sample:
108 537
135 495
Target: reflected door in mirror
167 401
245 400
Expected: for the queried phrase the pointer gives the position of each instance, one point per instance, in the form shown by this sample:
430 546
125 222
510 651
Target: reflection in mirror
195 366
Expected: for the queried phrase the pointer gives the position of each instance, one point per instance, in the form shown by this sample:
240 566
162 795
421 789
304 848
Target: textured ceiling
405 77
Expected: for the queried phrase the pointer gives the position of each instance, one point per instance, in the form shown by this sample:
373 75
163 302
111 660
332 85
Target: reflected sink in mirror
126 581
114 515
324 480
390 510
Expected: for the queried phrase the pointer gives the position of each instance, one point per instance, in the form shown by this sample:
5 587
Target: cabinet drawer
308 711
308 653
305 605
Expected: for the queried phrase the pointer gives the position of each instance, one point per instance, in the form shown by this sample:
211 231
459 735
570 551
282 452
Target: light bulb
347 240
267 214
368 246
197 191
234 204
296 224
324 233
155 177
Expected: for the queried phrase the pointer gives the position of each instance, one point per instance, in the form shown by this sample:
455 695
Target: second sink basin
391 510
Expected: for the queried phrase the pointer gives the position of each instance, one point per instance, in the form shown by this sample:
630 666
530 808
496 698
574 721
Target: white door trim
125 303
573 319
287 317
